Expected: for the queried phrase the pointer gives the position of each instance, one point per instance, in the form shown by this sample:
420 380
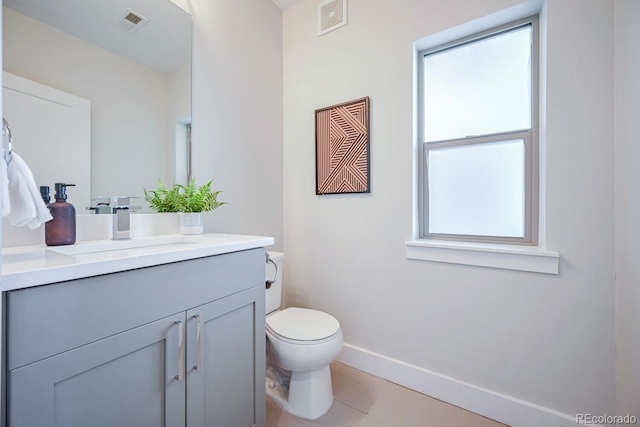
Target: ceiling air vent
131 21
332 14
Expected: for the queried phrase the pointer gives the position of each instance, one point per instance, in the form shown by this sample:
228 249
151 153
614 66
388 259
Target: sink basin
98 246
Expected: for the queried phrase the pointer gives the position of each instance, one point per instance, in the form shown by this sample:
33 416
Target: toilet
301 343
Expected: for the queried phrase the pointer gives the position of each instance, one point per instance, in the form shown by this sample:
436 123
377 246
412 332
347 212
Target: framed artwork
342 148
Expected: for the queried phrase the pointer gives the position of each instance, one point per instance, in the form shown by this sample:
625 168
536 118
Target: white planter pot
191 223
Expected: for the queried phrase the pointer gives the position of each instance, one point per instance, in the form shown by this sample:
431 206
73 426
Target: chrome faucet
121 209
102 205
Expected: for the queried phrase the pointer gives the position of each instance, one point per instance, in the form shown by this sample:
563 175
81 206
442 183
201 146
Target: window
478 129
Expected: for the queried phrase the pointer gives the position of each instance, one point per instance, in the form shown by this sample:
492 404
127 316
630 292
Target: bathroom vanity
171 335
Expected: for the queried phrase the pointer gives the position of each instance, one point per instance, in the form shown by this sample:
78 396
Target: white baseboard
505 409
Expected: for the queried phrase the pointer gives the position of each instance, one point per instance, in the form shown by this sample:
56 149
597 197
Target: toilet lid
303 324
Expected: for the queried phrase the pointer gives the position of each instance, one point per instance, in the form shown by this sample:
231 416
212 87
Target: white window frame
529 136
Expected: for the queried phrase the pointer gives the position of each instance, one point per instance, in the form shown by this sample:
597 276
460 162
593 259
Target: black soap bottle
61 230
44 192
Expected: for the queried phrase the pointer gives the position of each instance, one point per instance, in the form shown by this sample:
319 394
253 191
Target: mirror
131 60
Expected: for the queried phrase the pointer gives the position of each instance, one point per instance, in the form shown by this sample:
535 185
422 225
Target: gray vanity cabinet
223 372
124 380
173 345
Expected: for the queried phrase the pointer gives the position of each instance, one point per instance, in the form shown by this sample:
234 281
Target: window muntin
478 130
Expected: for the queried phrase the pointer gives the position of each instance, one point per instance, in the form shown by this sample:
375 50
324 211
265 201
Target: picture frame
343 148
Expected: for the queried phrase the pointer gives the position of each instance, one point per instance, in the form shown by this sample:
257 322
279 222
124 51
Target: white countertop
28 266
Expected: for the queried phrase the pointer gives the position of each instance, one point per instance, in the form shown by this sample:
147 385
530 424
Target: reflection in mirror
136 78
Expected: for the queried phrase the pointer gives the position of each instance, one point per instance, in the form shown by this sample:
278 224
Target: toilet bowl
301 344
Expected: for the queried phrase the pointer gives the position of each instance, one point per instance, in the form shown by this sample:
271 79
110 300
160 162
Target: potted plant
190 201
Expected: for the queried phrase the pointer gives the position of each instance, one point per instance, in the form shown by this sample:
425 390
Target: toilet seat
302 325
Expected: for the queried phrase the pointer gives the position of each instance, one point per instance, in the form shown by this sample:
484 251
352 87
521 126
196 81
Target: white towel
27 206
5 204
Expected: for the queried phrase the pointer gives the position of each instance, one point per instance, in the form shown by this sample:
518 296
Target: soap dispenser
44 193
61 230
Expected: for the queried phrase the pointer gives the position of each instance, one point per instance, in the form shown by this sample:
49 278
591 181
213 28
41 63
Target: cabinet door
226 362
128 379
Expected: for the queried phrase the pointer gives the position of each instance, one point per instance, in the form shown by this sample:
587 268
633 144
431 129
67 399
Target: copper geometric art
342 148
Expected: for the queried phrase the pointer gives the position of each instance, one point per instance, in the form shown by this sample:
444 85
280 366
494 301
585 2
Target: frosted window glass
479 88
478 189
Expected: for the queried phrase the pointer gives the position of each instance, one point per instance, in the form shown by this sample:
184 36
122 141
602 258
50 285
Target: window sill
522 258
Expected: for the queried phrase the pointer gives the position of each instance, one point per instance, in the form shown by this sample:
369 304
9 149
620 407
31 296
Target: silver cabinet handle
194 345
180 375
199 342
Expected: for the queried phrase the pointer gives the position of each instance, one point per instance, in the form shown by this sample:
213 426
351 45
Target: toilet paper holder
268 260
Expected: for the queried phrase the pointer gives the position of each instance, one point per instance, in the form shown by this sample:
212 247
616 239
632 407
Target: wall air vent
131 21
332 14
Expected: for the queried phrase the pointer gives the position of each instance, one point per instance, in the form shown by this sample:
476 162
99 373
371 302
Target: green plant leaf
183 198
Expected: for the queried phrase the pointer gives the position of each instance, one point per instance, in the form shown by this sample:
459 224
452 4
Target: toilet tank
274 293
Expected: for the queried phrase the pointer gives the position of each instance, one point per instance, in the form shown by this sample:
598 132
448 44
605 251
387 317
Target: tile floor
362 400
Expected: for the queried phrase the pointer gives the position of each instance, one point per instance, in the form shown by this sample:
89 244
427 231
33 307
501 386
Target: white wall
545 339
237 112
129 142
627 202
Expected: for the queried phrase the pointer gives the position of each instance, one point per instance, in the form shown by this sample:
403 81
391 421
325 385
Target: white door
51 131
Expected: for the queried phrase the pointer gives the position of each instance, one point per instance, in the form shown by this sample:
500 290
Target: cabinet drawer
48 320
